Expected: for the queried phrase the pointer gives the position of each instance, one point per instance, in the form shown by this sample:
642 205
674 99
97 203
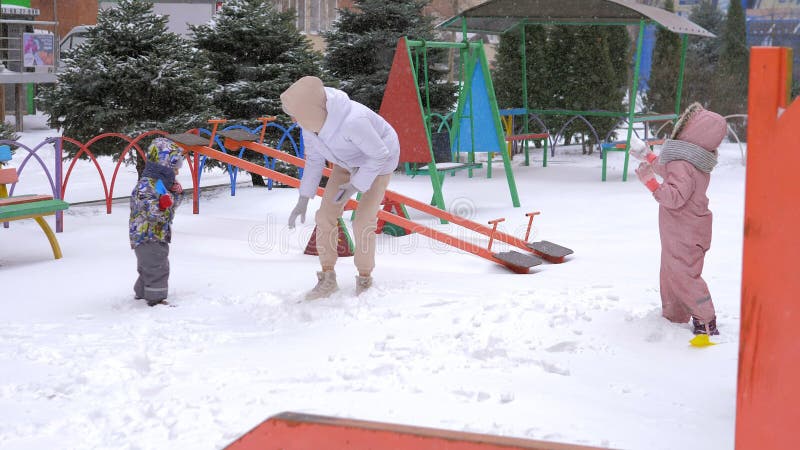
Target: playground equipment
769 354
507 115
547 250
513 260
19 207
345 245
476 122
502 16
294 431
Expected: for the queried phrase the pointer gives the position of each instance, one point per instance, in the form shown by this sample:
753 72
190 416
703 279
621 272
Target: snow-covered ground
576 352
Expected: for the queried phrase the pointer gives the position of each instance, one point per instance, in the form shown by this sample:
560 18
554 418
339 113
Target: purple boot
702 328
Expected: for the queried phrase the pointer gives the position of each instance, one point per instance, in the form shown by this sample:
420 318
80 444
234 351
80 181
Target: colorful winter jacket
353 137
148 222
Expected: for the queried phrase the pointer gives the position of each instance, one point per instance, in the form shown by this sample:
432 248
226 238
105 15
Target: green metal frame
630 115
471 53
524 54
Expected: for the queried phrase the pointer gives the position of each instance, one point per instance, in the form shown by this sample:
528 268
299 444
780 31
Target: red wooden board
401 107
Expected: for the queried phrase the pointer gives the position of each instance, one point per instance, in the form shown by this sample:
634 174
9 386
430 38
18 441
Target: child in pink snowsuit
684 220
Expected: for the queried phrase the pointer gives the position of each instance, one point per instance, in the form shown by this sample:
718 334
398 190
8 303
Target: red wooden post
768 397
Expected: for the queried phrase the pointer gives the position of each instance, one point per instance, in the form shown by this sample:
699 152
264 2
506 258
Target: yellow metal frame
51 236
39 218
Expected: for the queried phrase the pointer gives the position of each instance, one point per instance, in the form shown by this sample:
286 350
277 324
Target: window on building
313 16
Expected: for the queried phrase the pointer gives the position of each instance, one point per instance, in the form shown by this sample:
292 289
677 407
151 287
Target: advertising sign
38 50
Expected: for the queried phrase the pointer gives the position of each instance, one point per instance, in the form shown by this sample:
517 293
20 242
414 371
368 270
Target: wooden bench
21 207
622 146
523 138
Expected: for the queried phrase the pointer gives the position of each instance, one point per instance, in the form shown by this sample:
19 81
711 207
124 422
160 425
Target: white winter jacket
353 137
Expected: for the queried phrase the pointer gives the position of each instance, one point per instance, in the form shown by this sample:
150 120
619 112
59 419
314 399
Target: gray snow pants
152 263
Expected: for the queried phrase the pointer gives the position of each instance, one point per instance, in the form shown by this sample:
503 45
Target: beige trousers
364 225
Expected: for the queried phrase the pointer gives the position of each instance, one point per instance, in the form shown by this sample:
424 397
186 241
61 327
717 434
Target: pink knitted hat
701 127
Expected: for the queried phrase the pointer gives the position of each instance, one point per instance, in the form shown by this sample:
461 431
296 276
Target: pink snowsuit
684 222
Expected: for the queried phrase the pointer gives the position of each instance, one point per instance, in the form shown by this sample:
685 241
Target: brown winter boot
363 284
703 328
326 285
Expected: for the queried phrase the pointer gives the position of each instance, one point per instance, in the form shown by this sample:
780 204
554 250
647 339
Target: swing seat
443 158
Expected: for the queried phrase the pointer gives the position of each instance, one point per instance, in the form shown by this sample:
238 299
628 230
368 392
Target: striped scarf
675 150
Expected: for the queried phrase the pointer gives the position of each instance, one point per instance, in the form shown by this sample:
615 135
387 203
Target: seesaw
513 260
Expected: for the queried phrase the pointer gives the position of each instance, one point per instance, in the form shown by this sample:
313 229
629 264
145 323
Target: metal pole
634 92
523 52
57 39
679 90
59 169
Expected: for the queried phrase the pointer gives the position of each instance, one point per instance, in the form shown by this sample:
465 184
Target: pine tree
7 133
597 83
732 77
560 58
507 76
130 76
665 70
361 47
613 98
256 52
588 68
702 56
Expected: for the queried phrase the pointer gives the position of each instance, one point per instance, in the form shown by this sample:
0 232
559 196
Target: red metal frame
108 190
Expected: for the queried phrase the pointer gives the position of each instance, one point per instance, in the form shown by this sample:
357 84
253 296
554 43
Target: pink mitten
647 176
176 188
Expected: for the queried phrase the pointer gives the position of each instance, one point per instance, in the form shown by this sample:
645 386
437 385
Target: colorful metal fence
58 178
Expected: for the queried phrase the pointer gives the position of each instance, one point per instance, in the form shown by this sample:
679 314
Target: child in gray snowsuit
153 203
684 220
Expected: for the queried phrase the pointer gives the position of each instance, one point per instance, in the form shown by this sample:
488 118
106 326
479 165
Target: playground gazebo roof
500 16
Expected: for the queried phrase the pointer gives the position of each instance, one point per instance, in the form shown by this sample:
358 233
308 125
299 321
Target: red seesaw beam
391 195
295 431
383 215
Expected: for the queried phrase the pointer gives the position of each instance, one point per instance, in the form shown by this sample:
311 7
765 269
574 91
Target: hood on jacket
701 127
305 101
165 153
338 105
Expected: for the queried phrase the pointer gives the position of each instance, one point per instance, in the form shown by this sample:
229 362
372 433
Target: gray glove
299 210
345 192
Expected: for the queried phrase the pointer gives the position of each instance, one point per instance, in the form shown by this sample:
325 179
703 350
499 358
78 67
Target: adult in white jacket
364 151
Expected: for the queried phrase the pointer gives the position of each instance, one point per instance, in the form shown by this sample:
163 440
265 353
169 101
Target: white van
75 37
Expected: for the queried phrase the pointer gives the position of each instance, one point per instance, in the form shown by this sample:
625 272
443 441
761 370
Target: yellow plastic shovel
701 340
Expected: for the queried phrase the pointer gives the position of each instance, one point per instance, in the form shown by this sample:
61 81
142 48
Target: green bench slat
34 208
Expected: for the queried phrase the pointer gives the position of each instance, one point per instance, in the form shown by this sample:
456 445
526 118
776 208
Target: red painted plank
16 200
8 176
767 411
292 431
402 108
526 137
